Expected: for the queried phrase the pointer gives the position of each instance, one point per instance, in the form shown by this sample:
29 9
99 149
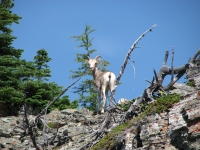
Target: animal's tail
109 76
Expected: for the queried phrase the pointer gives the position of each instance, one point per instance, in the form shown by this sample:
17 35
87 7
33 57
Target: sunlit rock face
177 129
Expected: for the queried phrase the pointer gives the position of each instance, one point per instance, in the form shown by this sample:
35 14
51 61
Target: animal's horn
97 57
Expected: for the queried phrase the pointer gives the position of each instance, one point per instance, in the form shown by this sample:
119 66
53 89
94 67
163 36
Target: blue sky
48 24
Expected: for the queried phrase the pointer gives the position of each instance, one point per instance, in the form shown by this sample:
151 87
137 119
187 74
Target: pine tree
86 90
64 103
40 62
39 92
16 72
10 92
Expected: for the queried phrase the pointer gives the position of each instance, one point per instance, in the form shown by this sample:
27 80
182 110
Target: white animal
104 81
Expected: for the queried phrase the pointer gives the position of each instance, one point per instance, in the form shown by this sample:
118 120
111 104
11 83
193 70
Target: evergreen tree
86 90
64 103
10 92
15 72
39 92
40 63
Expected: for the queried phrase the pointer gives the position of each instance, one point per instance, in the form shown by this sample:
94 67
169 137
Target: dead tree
156 83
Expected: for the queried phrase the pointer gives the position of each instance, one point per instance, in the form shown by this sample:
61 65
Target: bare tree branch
166 57
43 111
126 60
130 51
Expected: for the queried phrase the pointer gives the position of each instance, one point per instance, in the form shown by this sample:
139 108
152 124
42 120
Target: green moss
191 83
162 104
126 106
108 140
51 125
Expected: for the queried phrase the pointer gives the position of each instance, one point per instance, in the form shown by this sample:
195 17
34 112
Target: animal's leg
104 99
99 100
112 87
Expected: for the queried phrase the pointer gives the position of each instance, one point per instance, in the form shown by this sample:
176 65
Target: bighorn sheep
104 81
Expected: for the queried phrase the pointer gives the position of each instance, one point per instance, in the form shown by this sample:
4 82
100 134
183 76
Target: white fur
104 81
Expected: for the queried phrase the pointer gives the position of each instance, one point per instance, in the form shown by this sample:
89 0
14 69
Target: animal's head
93 62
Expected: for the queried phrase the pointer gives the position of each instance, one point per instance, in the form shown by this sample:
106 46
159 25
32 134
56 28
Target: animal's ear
98 58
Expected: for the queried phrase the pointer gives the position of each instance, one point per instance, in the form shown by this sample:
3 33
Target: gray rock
68 118
39 140
83 111
18 131
92 121
68 111
3 110
26 142
176 129
5 133
18 145
182 89
79 118
6 120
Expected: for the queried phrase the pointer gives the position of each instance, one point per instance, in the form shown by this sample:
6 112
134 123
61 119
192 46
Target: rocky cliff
179 128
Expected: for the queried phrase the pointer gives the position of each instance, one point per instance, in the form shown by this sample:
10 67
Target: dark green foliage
126 106
163 103
86 90
15 72
87 94
108 141
64 103
40 63
190 83
38 92
10 92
